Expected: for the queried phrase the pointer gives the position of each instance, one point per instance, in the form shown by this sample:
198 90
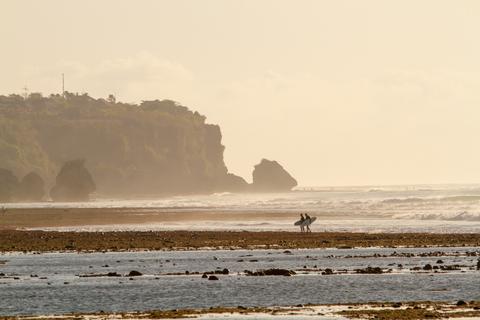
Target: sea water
418 208
50 283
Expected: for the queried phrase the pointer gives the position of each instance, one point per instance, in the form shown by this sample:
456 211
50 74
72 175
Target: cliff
152 148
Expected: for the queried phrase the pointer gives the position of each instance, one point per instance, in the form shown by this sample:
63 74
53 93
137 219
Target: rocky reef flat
19 240
285 283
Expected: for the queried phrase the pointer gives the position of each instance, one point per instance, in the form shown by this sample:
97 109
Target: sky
339 92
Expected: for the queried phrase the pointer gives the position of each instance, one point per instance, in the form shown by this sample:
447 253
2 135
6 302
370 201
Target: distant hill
155 147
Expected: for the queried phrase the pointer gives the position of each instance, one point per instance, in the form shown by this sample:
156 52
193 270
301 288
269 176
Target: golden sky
339 92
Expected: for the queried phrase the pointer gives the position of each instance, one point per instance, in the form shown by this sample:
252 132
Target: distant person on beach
302 219
307 217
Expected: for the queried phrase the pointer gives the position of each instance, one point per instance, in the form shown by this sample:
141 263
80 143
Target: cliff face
8 185
156 147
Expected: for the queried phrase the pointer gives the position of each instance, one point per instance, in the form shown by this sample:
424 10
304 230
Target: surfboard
305 222
299 222
308 222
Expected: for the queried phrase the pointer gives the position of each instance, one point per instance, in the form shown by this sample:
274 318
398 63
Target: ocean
412 208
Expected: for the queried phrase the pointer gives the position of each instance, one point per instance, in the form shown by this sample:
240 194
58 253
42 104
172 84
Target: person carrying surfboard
309 219
302 220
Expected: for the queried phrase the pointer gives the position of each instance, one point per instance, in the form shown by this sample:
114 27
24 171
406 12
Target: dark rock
212 278
134 273
461 303
427 267
204 276
327 272
73 183
278 272
372 270
450 268
31 188
225 271
271 272
8 185
397 305
439 261
478 264
113 274
270 176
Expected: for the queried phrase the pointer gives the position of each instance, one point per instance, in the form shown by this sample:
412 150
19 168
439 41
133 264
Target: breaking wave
447 216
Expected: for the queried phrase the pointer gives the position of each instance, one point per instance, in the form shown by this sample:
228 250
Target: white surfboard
308 222
305 222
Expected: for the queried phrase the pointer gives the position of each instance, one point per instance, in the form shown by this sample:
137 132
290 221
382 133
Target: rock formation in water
270 176
74 182
31 188
8 185
233 183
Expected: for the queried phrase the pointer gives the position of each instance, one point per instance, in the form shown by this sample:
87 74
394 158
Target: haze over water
430 208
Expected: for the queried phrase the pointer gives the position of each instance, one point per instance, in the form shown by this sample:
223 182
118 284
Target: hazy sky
339 92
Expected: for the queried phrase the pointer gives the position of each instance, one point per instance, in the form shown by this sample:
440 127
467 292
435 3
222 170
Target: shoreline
378 310
49 241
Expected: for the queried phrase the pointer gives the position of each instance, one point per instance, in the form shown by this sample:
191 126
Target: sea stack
73 183
270 176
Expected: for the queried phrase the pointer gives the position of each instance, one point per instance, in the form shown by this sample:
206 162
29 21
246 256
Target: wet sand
18 240
71 217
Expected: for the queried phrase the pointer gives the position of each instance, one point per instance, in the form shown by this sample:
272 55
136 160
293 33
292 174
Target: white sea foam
454 208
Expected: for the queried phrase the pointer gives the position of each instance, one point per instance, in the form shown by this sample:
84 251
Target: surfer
302 220
307 217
